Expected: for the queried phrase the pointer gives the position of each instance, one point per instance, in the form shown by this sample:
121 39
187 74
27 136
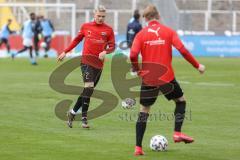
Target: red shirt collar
152 22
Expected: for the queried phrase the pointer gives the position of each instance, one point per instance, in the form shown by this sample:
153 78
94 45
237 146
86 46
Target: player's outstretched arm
201 68
189 57
177 43
61 56
72 45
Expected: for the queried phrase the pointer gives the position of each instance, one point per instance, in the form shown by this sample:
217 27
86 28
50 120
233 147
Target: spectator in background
27 34
5 33
133 28
37 35
47 32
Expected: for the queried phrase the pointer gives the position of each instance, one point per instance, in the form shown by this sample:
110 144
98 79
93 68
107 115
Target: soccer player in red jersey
155 42
99 41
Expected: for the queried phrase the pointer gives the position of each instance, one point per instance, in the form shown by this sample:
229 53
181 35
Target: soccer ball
158 143
43 44
128 103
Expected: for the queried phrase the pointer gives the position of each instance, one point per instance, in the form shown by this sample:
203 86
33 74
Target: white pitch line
216 84
185 82
209 84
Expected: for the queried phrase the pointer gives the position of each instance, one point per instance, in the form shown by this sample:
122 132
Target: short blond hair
100 8
151 12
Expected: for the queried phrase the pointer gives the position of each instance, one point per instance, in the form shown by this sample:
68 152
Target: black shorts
4 40
149 94
47 39
90 74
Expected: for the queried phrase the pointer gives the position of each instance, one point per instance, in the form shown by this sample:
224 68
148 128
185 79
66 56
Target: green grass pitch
29 129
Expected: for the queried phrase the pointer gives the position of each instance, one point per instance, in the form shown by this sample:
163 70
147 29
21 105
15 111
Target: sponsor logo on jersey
155 42
154 31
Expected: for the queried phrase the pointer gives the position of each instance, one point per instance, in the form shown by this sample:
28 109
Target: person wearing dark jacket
133 27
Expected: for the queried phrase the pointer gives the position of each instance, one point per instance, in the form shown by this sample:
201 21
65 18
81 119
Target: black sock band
86 94
141 127
78 104
179 115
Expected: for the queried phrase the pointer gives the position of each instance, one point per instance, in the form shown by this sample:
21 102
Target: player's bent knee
88 84
180 99
145 109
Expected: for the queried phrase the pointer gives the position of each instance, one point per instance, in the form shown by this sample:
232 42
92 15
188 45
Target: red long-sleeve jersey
97 38
155 42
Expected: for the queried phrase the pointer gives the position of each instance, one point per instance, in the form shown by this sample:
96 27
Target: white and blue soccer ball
128 103
43 44
158 143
